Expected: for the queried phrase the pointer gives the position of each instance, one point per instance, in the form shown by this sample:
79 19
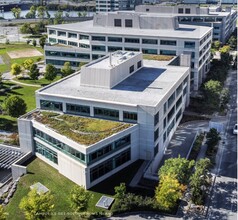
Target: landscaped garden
157 57
85 131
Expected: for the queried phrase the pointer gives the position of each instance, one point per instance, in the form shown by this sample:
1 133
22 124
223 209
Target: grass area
4 48
157 57
60 187
86 131
42 81
7 122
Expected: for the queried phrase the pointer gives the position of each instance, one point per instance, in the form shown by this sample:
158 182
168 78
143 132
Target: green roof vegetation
157 57
86 131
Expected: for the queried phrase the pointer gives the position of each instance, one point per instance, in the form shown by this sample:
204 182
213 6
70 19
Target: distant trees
79 198
58 17
15 69
42 41
16 12
14 106
34 43
66 70
37 206
32 12
50 72
34 72
41 11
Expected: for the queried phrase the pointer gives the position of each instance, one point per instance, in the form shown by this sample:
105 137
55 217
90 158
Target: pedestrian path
24 84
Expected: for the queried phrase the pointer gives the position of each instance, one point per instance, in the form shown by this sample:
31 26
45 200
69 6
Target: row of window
109 165
62 62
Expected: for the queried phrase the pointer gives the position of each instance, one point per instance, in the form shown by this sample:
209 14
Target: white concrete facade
150 34
154 95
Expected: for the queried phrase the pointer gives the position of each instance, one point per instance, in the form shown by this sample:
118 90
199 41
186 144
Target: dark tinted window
117 22
128 23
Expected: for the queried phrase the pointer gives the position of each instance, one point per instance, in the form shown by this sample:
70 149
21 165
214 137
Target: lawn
83 130
60 187
8 123
4 48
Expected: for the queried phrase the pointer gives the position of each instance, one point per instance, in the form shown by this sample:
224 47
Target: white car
235 129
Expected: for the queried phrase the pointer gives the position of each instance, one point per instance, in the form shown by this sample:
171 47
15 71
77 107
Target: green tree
79 198
15 69
217 45
14 106
32 12
84 14
120 191
27 64
79 14
66 70
199 180
212 90
3 214
213 137
27 29
34 72
50 72
42 41
168 192
233 42
225 98
41 10
34 43
58 17
37 206
16 12
180 168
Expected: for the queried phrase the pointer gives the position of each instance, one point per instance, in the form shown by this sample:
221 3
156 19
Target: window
165 107
180 10
131 70
139 64
165 122
106 113
171 99
179 114
52 32
61 33
156 134
149 41
122 142
189 44
187 11
164 136
115 39
52 40
78 109
179 89
51 105
128 23
170 127
72 35
83 37
98 154
83 55
168 52
156 118
178 103
132 49
98 38
112 49
129 116
98 48
117 22
170 114
149 51
132 40
147 9
62 41
168 42
71 43
84 46
156 149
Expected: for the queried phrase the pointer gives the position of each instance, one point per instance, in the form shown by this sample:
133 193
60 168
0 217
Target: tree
14 106
168 192
66 69
79 14
233 42
34 43
37 206
199 181
84 14
27 64
225 97
3 214
213 137
217 45
50 72
212 90
32 12
16 12
27 29
79 198
42 41
15 69
58 17
34 72
41 12
180 168
120 191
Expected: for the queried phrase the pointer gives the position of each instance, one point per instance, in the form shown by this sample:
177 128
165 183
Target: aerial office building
222 21
118 109
131 31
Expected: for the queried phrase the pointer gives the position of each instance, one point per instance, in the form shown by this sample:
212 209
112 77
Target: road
223 202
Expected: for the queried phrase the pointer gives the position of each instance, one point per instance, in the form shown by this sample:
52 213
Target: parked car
235 129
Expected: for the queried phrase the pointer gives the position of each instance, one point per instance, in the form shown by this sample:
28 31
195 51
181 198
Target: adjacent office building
131 31
222 21
118 109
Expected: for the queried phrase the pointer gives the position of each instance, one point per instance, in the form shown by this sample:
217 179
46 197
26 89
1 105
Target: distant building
131 31
222 21
137 103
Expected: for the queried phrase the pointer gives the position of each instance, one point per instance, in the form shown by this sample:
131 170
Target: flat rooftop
87 27
83 130
146 87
